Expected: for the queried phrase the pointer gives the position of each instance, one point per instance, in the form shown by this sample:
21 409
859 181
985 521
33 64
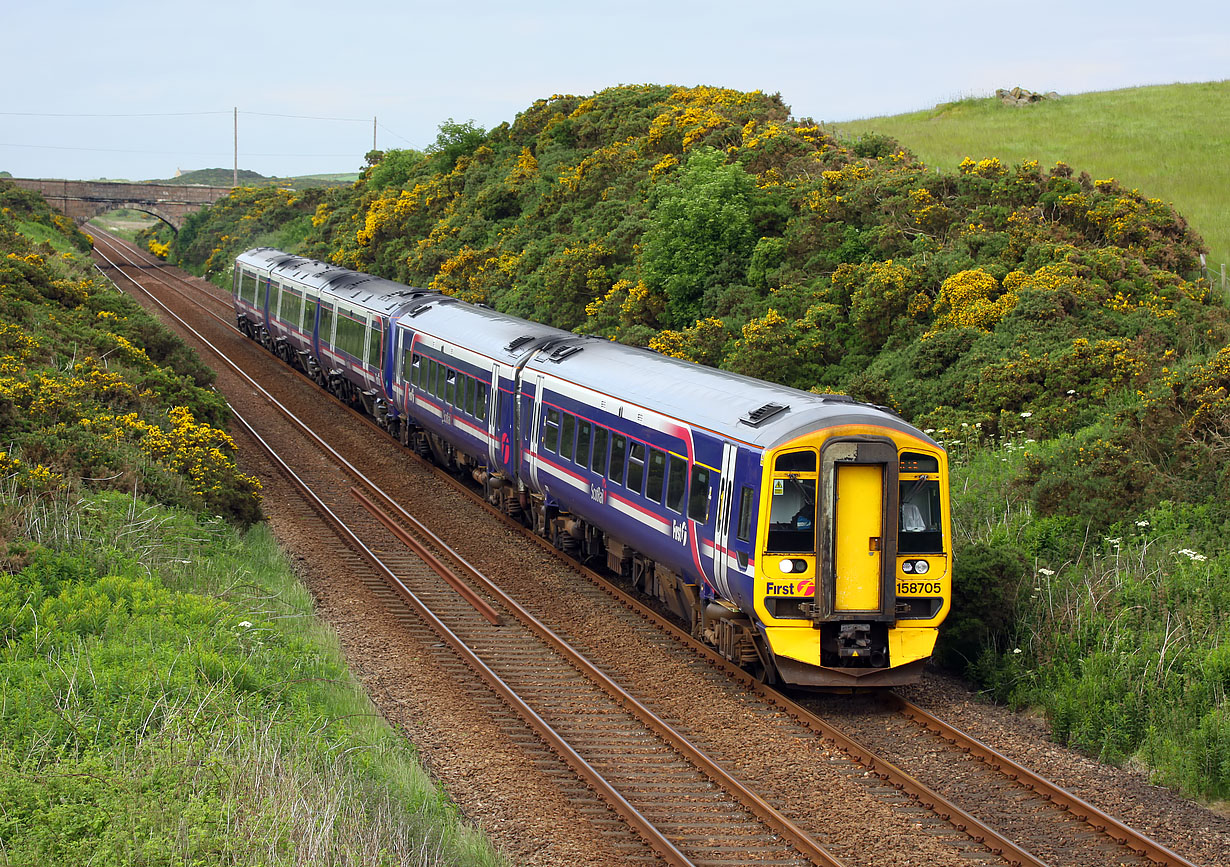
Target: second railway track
840 795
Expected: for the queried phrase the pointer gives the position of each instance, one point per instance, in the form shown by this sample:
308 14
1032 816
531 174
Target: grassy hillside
1169 141
224 177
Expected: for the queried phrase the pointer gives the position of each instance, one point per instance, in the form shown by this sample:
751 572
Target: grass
167 697
1122 637
1167 141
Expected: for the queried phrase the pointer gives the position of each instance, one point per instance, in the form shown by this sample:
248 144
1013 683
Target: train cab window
792 515
657 475
677 483
567 435
921 530
483 397
619 448
747 500
698 494
598 463
636 466
584 429
550 431
796 462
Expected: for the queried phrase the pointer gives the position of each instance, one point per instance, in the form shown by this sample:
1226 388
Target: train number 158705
918 588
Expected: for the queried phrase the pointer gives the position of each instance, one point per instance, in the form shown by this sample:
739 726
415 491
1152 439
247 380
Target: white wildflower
245 624
1142 524
1047 572
1026 414
1192 555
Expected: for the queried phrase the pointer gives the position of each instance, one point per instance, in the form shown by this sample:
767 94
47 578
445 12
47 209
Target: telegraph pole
235 175
373 133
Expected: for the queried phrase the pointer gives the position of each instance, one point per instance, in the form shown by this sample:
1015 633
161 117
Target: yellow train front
853 567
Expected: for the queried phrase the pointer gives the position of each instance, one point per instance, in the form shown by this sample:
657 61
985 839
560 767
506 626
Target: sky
138 90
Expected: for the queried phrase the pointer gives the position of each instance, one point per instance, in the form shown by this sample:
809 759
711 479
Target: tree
454 141
700 234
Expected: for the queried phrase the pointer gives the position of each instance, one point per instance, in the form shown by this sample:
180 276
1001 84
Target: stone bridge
82 200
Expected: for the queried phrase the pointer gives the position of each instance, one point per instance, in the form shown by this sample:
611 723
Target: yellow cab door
858 535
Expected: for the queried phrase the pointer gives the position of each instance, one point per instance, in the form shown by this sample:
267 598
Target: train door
858 543
499 448
721 532
536 409
858 532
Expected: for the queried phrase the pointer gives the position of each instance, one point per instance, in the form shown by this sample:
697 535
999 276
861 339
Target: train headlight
787 566
921 567
908 567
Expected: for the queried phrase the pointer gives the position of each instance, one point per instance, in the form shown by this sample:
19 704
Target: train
806 537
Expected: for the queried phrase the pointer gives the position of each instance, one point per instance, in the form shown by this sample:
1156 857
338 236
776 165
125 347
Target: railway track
558 690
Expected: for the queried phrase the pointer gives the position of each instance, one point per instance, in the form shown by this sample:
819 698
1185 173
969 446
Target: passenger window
441 379
599 459
450 387
326 323
657 475
416 367
677 484
636 466
567 433
471 390
483 397
550 433
745 515
619 448
698 494
583 433
375 344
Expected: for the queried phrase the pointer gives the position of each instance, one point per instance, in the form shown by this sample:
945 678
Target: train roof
508 339
739 407
365 290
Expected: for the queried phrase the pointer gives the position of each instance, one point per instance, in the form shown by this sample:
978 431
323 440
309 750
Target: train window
677 483
248 287
235 281
375 344
698 494
326 323
619 448
598 464
657 475
290 303
483 397
351 331
921 530
746 501
796 462
567 435
792 515
636 466
441 379
471 393
583 435
912 462
550 431
308 320
450 387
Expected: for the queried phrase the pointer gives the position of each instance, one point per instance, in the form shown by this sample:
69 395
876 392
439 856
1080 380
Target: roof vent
561 352
421 307
757 417
518 342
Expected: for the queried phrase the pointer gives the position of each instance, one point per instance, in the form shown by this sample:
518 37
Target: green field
1167 141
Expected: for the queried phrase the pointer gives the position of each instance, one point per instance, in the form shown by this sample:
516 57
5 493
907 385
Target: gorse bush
91 388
